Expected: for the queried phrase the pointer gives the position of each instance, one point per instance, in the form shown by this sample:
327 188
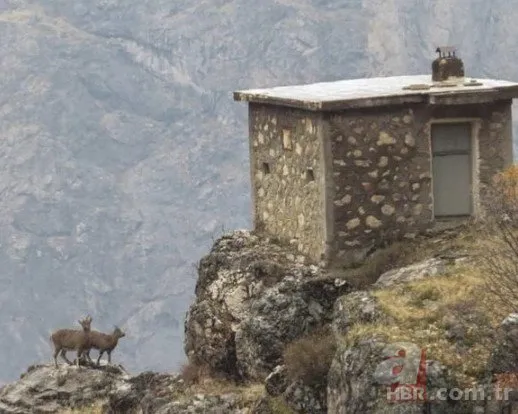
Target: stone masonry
287 175
381 175
340 182
382 168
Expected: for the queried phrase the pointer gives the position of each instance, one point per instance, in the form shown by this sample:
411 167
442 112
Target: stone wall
288 199
381 168
381 174
378 183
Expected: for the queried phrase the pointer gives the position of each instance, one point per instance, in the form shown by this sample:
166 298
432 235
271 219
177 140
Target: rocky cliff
271 333
122 152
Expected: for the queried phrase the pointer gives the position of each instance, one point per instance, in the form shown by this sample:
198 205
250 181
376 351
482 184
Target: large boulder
360 377
302 398
285 312
298 396
254 296
354 308
502 371
45 389
435 266
504 358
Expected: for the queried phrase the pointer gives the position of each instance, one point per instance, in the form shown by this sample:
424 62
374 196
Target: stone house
338 167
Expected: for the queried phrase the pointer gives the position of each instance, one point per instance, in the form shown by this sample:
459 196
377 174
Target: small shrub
506 380
193 373
379 262
309 358
430 293
279 406
499 254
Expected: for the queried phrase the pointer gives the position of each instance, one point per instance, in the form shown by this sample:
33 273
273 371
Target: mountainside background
122 154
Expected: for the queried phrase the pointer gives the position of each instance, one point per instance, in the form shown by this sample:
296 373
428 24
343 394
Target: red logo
403 370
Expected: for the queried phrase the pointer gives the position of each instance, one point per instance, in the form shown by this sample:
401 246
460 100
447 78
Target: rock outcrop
110 389
353 381
253 297
436 266
352 385
270 333
44 389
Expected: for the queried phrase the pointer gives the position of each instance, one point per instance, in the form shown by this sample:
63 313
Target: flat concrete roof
372 92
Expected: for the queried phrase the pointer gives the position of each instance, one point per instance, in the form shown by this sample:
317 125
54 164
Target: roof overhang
329 105
322 96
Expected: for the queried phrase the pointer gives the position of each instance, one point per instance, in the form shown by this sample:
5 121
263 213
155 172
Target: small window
310 175
266 168
286 139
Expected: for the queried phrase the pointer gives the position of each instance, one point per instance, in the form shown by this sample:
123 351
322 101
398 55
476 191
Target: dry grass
96 408
193 373
499 258
249 393
279 406
404 253
309 358
423 312
206 385
200 380
379 262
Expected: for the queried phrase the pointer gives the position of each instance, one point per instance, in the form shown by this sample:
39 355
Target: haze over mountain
122 153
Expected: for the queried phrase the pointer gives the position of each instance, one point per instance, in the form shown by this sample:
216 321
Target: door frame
476 124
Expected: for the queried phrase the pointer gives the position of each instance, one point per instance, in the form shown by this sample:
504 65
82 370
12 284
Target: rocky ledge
254 296
271 333
110 389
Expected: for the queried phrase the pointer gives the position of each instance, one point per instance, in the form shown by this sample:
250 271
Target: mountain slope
122 153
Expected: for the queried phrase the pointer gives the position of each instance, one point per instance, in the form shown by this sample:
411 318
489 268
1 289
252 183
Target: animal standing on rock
104 343
72 340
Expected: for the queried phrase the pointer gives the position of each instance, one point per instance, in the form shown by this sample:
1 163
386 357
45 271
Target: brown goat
71 340
104 343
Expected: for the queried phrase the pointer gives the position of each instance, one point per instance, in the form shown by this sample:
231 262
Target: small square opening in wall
286 139
310 175
266 168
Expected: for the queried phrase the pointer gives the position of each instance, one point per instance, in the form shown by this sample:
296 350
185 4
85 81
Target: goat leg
64 356
87 353
56 352
79 353
100 355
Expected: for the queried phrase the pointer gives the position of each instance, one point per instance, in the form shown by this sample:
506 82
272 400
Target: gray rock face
304 399
253 298
435 266
362 372
510 321
354 386
300 397
122 151
504 358
276 382
356 307
44 389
